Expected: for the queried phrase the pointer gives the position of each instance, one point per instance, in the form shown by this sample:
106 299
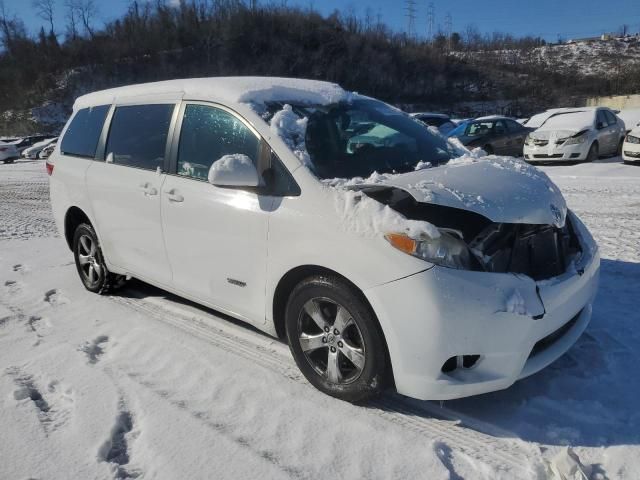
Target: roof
429 114
227 90
493 117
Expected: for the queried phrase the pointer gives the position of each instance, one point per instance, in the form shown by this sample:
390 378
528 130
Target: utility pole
431 20
448 28
410 8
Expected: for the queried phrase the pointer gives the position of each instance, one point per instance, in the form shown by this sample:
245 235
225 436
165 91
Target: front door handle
148 189
174 197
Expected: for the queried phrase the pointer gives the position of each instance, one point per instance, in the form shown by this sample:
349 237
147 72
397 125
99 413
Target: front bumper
631 152
441 313
556 153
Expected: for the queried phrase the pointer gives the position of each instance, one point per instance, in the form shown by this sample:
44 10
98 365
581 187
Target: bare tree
72 18
44 9
82 11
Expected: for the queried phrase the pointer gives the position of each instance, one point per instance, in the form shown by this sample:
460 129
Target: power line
410 8
431 20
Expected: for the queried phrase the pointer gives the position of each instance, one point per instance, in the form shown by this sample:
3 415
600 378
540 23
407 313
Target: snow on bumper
554 153
441 313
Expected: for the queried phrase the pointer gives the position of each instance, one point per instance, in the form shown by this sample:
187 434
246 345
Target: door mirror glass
235 170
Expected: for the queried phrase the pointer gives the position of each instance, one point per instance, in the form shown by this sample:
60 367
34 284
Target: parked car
33 151
576 134
47 151
495 135
247 196
8 153
630 117
439 120
26 142
631 147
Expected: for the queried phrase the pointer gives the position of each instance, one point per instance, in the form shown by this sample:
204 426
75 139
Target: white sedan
631 147
575 134
33 151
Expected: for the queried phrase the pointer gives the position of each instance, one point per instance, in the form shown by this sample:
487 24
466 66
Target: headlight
528 140
632 139
447 250
576 140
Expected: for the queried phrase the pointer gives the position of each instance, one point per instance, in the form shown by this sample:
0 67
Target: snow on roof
228 90
430 114
493 117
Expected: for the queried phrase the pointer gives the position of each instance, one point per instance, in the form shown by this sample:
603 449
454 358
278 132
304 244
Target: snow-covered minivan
382 253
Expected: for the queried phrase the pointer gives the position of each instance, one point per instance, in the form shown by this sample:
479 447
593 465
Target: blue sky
547 18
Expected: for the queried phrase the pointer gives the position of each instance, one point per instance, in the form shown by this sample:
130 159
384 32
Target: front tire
335 339
593 154
93 271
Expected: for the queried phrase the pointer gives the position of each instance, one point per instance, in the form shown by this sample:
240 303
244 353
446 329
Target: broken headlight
448 250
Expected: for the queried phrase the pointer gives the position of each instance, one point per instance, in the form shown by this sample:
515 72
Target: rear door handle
174 197
148 189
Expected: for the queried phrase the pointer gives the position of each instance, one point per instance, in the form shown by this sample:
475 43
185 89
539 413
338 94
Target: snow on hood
568 123
502 189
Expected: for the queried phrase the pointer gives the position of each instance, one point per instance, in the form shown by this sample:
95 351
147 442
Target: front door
216 237
125 191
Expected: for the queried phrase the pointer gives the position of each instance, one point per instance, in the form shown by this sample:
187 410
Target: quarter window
138 135
83 133
207 135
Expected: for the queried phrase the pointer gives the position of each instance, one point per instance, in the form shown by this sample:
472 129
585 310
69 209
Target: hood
502 189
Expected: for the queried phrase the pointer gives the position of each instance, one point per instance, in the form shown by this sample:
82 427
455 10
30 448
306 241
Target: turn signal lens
402 242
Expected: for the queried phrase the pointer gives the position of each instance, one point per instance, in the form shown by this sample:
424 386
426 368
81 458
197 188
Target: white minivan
383 254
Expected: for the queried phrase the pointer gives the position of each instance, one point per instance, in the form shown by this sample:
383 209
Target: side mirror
235 170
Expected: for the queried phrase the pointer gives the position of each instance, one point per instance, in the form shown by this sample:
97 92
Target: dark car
439 120
495 135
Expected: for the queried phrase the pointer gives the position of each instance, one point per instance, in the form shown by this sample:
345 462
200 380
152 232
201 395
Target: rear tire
593 154
488 149
619 151
335 339
93 271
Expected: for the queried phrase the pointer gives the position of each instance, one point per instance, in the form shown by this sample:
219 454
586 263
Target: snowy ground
144 384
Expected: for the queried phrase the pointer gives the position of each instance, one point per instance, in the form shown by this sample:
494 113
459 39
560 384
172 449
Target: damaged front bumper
442 314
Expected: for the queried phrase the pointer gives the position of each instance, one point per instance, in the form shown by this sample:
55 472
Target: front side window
138 135
602 118
209 134
83 133
480 129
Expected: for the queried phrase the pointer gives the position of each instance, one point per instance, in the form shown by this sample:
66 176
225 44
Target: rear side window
207 135
138 136
611 118
83 133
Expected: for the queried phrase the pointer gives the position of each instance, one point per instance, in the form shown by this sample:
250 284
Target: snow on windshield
570 121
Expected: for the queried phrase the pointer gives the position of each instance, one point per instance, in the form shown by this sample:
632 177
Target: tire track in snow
501 455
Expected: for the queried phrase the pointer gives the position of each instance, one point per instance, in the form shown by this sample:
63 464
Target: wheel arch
72 218
291 278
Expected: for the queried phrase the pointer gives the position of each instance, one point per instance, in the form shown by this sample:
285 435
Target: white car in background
575 134
33 151
631 147
47 151
375 259
630 117
8 152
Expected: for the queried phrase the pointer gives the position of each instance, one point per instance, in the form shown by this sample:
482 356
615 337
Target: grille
553 155
632 154
539 251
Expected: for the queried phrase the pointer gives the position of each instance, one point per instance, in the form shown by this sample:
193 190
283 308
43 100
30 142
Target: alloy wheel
90 268
331 341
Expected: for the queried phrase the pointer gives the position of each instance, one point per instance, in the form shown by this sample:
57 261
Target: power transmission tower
410 8
431 20
448 29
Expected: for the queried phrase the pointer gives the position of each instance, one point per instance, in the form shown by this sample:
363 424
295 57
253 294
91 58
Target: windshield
459 130
569 120
358 138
